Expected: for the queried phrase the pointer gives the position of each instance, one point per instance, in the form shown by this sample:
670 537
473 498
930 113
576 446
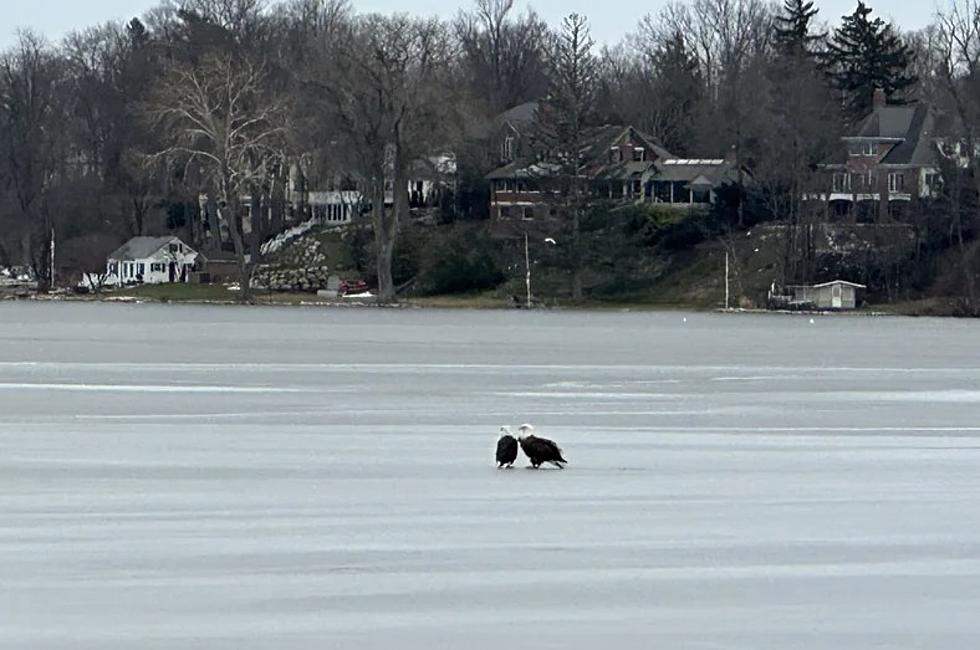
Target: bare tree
216 118
958 44
504 55
389 101
33 111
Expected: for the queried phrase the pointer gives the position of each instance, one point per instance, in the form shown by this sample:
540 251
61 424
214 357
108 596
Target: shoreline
936 308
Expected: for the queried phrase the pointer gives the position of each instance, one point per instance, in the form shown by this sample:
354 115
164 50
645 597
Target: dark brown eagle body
506 451
542 450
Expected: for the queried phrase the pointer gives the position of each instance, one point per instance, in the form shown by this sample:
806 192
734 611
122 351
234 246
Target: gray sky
611 19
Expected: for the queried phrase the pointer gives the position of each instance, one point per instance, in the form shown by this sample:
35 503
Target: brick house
888 163
621 163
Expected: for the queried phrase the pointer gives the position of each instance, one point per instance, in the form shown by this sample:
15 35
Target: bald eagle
540 450
506 448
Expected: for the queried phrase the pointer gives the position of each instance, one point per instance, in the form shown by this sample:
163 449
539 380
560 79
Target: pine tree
561 126
803 126
563 114
792 29
678 90
865 55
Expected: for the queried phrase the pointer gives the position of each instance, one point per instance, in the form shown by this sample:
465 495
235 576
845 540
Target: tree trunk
384 245
231 218
214 225
387 225
577 292
965 264
139 214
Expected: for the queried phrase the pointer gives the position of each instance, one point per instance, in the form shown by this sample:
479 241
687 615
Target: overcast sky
610 19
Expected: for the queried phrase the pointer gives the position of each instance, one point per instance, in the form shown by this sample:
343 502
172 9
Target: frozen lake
243 478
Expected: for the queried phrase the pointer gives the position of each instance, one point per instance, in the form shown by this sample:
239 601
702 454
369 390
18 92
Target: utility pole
51 263
527 266
727 292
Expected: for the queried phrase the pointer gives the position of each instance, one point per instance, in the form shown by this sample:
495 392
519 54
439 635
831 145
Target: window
868 149
868 180
113 268
934 182
505 212
528 213
508 148
173 248
701 196
639 154
637 188
896 183
141 269
842 183
615 155
157 267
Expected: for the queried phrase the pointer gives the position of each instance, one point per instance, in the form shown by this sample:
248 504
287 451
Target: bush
463 261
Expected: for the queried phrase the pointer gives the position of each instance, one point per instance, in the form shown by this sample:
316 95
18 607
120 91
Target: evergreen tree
865 55
561 127
679 90
563 114
803 130
793 34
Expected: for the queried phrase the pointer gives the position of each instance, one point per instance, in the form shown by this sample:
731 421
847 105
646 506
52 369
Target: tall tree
504 55
804 127
958 44
679 87
660 92
561 124
864 55
34 107
388 98
794 35
217 117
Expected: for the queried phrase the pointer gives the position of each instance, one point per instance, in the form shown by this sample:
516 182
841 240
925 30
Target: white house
150 260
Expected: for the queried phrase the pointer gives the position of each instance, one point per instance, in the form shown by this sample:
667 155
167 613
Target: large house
337 201
622 164
888 162
150 260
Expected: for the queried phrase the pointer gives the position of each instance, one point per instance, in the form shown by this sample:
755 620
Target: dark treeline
170 120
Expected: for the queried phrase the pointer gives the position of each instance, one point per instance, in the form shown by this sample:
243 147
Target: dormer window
869 149
615 155
639 154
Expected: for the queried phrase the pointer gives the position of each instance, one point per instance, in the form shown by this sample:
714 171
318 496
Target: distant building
151 260
622 164
838 294
888 162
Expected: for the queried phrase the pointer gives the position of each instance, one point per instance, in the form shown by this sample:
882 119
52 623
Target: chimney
732 155
880 99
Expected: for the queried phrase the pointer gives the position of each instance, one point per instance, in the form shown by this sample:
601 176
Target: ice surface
224 478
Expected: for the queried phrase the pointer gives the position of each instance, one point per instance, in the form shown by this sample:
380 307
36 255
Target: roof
520 115
595 152
843 282
913 128
139 248
712 172
889 121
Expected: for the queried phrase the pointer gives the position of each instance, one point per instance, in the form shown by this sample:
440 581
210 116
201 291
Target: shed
837 294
